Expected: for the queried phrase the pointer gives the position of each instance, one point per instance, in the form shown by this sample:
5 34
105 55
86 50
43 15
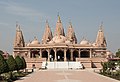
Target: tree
105 66
24 63
118 53
3 65
11 63
19 62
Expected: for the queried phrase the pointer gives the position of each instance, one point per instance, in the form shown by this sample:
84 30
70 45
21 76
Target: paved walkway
65 76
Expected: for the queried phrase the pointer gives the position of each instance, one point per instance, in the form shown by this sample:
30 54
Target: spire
100 40
59 20
59 28
19 40
101 27
17 26
71 34
47 36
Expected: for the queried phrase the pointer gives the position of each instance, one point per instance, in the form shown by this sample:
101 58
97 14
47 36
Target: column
48 54
90 53
55 59
64 54
79 53
29 54
40 52
71 51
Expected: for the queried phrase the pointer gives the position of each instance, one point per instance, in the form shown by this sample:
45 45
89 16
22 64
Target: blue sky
85 15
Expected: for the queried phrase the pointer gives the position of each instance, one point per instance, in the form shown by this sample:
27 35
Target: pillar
79 53
48 54
64 54
71 51
29 54
55 59
90 53
40 52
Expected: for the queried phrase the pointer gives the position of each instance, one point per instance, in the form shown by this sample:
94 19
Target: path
65 76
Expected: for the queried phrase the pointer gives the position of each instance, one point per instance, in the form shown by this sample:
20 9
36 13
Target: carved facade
60 47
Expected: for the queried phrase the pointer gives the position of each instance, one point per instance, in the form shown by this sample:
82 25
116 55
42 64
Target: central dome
84 42
35 41
59 39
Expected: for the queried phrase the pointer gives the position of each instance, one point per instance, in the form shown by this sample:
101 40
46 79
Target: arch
75 55
34 53
68 55
60 55
45 54
85 54
52 55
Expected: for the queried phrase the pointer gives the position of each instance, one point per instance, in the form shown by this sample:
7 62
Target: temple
59 46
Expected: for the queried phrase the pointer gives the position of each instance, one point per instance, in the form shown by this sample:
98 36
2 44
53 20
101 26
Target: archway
34 53
60 55
68 55
85 54
75 55
45 54
52 55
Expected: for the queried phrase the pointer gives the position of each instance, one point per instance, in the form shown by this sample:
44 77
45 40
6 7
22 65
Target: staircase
63 65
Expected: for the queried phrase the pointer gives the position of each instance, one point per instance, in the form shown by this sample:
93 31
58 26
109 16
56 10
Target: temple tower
100 40
19 39
59 28
47 36
71 34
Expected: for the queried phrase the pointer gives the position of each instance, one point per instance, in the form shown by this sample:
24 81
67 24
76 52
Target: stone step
63 65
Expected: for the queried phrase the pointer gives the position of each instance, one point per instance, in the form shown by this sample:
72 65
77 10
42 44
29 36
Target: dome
51 42
84 42
59 39
67 42
35 41
28 44
94 44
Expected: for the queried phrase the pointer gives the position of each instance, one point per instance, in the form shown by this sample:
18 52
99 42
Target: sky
85 15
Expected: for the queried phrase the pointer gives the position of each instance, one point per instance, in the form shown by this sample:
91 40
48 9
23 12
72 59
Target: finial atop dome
101 26
70 24
59 20
17 26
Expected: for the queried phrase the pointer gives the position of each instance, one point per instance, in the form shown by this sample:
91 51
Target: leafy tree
105 66
19 62
24 63
3 65
118 53
1 52
11 63
111 65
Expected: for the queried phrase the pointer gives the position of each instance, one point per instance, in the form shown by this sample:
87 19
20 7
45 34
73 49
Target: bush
19 62
24 63
3 65
11 63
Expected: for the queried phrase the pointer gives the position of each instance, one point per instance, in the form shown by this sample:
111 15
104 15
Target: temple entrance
45 54
85 54
60 55
52 55
75 55
68 55
34 54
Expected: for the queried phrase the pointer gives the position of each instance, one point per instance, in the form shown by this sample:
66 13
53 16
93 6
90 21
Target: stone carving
19 40
59 28
100 40
71 34
47 36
